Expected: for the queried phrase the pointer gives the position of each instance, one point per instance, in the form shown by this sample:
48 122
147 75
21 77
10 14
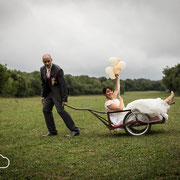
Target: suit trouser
49 102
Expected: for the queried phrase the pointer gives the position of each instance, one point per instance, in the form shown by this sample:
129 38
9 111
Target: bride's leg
169 100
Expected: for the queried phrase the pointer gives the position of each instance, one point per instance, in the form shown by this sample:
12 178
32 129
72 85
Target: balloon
110 73
118 59
117 69
122 64
113 61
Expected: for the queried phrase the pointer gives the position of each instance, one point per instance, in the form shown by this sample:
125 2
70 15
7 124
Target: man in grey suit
54 92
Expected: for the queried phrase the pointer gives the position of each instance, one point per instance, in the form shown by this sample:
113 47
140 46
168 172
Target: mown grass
96 154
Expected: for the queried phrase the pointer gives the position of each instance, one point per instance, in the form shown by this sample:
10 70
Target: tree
4 75
9 87
21 87
171 78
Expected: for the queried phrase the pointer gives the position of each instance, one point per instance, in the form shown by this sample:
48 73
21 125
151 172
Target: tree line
15 83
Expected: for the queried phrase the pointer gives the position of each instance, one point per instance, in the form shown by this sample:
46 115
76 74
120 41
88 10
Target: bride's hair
106 87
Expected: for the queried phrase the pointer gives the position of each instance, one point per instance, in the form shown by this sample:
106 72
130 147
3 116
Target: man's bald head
47 60
46 56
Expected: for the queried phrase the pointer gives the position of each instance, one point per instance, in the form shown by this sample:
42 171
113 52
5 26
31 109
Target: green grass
96 154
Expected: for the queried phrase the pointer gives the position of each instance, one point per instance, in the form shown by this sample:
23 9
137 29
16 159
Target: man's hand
64 103
42 100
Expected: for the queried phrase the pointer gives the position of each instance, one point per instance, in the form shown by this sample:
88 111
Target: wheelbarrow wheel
133 126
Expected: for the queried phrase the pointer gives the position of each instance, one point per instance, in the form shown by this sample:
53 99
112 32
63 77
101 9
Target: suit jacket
56 83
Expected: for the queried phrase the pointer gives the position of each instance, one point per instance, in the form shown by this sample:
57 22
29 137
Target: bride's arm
116 86
116 107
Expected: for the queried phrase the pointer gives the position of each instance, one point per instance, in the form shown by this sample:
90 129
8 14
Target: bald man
54 92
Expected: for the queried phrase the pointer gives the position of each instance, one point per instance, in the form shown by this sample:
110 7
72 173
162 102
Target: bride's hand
116 75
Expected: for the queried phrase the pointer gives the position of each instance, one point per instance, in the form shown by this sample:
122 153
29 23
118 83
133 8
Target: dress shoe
73 133
49 134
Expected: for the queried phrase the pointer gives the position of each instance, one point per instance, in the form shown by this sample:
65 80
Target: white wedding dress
152 107
116 118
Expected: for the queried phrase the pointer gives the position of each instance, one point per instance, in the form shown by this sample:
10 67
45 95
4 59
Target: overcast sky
81 35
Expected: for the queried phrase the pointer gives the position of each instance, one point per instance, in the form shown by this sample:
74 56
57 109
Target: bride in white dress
152 107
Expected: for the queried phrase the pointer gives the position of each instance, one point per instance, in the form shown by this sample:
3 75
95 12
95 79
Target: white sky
81 35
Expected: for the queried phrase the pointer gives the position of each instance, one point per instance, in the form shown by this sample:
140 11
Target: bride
152 107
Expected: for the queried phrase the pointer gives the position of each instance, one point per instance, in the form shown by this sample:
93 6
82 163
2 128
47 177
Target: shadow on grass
122 134
108 134
156 132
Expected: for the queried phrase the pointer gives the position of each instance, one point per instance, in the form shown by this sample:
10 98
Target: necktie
48 74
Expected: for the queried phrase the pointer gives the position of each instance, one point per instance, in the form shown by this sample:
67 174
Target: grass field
96 154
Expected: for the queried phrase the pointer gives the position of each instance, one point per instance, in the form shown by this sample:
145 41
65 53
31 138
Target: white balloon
122 64
110 73
112 61
118 60
117 69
